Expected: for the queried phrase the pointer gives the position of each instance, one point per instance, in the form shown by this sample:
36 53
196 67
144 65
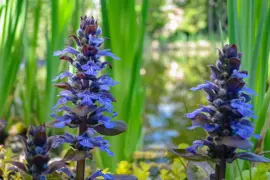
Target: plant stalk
220 170
80 169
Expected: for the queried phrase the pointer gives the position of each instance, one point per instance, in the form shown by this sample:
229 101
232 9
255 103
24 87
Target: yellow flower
123 168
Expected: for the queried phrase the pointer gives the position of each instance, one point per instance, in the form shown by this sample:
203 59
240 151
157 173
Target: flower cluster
36 149
84 142
86 100
225 118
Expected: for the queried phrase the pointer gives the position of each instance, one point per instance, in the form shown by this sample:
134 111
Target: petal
207 85
237 74
195 146
248 91
63 75
68 49
107 52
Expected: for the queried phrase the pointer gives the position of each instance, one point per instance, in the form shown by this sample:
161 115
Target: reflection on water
168 74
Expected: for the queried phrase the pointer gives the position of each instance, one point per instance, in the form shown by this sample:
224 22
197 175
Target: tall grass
21 22
12 23
125 25
61 13
249 24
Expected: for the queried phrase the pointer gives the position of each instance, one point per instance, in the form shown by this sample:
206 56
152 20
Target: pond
168 74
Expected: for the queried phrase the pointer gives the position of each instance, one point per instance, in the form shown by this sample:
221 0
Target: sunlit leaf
190 156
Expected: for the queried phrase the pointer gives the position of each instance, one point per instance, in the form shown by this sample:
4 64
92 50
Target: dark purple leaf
118 128
235 141
231 51
66 171
234 63
63 85
75 155
76 39
251 157
55 166
88 50
40 138
81 110
234 84
19 165
40 160
67 58
215 73
190 156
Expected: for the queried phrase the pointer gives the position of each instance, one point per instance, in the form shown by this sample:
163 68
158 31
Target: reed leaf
249 25
12 23
126 28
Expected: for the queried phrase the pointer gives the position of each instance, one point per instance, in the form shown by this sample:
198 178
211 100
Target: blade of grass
31 68
120 24
13 18
61 14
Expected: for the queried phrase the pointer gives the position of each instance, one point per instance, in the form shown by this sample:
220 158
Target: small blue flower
63 75
243 108
104 82
205 109
94 41
62 121
195 146
248 91
243 128
90 68
100 174
238 74
68 49
85 140
207 85
88 98
107 52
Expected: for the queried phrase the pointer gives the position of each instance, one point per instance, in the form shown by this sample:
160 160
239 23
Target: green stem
240 172
80 169
250 171
183 163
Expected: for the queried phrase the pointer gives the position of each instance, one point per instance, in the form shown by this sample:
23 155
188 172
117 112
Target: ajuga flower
225 118
85 102
36 149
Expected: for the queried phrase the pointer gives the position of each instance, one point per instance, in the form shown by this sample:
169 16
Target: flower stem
80 169
220 170
239 169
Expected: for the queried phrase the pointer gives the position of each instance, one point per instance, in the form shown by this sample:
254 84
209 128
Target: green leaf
120 23
190 156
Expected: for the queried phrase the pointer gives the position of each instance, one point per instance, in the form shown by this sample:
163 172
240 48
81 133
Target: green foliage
194 17
249 23
125 25
143 171
261 171
12 23
156 18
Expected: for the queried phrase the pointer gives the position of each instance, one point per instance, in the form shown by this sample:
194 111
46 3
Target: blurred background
164 46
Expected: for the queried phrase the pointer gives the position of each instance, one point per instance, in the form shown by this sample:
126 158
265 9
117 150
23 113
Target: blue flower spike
225 118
